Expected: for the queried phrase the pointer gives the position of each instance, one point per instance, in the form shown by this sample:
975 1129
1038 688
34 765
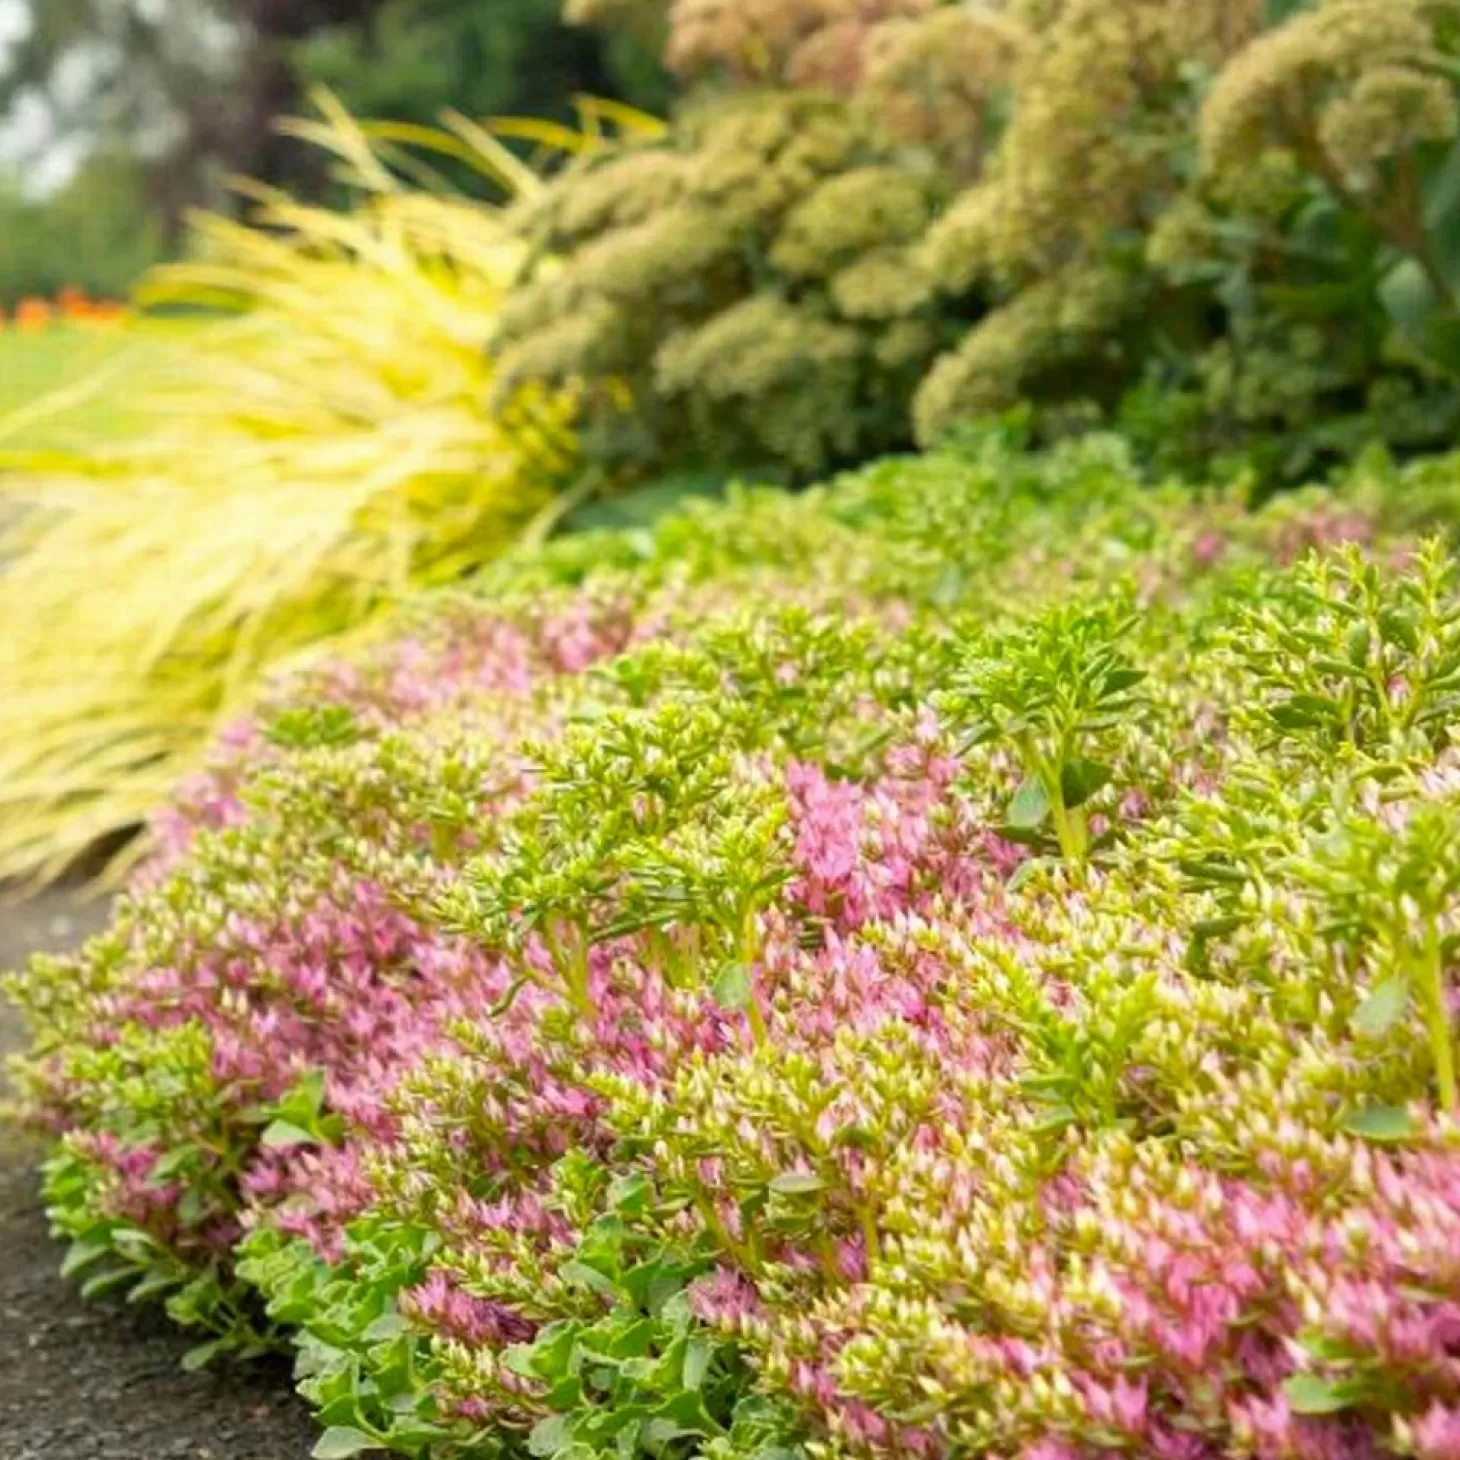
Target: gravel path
101 1381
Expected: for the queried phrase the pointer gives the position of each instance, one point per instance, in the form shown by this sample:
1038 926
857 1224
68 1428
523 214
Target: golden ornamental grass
321 449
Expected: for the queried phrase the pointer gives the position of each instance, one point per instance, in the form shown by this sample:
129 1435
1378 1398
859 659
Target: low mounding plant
959 962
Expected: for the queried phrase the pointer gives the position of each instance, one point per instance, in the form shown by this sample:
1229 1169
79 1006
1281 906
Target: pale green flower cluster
1247 208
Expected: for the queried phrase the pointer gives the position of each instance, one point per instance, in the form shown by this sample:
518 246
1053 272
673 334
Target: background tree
409 59
192 87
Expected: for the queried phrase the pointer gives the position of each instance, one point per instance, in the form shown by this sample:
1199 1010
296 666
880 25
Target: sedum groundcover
954 963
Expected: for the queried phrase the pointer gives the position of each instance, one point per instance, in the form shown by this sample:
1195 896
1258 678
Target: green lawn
71 384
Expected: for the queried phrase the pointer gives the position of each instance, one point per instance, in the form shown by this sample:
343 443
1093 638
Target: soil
101 1381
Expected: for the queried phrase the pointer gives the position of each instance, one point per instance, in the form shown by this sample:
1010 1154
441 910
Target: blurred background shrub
1226 224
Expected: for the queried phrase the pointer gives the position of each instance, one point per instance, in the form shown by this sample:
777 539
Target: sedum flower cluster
831 45
750 288
1230 171
956 963
1232 217
745 283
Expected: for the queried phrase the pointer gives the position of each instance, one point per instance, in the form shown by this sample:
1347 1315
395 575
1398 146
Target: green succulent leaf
1029 808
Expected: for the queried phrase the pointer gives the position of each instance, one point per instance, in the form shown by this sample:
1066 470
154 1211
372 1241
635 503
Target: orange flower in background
32 314
104 312
71 306
73 303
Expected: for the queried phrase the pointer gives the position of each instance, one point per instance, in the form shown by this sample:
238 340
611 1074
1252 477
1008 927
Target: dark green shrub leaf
1408 299
1081 779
